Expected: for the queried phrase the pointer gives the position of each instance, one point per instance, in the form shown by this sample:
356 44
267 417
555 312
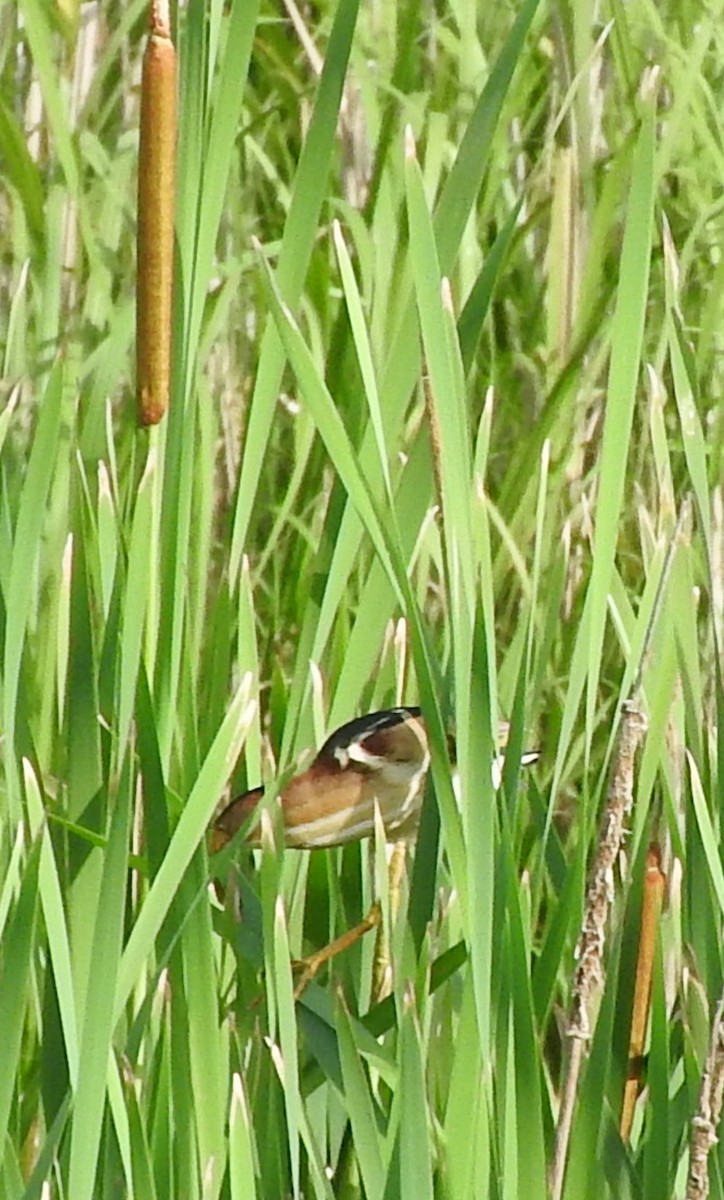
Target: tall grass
445 427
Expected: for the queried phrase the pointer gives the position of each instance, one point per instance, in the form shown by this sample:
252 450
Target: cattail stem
708 1113
654 884
590 969
156 192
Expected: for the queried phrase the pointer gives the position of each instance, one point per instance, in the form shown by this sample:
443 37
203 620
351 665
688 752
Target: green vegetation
177 606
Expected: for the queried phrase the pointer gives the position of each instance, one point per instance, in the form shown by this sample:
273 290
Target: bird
378 760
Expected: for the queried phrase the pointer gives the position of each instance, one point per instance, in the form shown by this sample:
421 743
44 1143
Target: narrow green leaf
242 1177
287 1062
26 544
692 433
464 181
95 1046
360 1106
21 171
54 916
18 943
300 231
709 839
189 832
136 602
415 1159
626 346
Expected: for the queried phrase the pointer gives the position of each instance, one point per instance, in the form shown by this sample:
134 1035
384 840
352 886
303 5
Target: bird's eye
358 753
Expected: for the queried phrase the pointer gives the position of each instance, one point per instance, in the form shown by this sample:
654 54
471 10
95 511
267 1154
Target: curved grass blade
189 832
626 346
97 1031
18 942
299 233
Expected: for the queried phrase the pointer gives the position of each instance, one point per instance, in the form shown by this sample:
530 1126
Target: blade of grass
136 600
299 233
416 1182
95 1043
207 1042
360 1105
15 966
242 1177
289 1059
51 899
26 545
626 346
188 834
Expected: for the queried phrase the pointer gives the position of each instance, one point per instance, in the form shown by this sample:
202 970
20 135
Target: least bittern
380 760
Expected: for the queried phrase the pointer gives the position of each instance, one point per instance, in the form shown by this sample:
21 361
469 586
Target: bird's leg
381 966
308 967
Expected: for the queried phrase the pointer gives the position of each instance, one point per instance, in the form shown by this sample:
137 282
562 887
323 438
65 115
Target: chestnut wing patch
236 813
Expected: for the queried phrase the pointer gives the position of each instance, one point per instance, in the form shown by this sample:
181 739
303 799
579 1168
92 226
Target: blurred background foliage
190 610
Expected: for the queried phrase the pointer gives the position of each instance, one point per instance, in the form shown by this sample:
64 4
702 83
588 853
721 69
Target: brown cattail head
156 195
654 884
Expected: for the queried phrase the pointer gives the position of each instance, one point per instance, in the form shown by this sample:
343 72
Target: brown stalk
156 192
589 975
654 883
590 971
706 1121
